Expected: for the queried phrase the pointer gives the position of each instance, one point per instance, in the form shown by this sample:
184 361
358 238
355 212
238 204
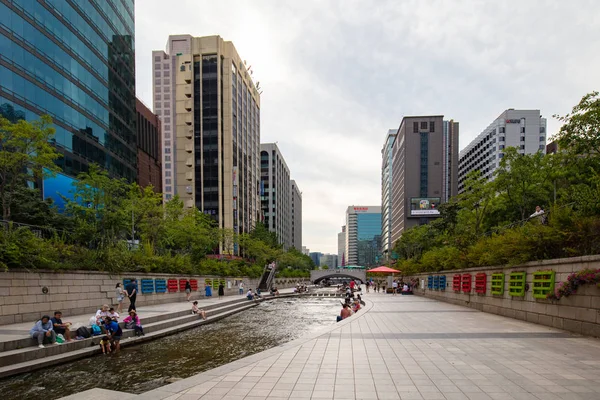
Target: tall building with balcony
217 130
163 100
363 235
73 60
523 129
276 193
386 194
424 170
296 216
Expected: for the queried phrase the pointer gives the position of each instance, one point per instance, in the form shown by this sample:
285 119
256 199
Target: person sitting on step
198 311
43 330
133 322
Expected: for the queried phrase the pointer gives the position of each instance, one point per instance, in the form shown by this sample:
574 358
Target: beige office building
424 171
217 130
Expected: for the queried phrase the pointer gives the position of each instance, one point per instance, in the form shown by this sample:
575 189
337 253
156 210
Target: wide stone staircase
23 355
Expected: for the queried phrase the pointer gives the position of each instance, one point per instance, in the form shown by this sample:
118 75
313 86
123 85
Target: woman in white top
120 297
101 314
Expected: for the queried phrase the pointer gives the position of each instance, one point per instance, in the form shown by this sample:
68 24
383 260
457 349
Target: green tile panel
543 283
516 284
498 283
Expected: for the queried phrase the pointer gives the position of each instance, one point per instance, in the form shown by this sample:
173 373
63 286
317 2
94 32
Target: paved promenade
408 347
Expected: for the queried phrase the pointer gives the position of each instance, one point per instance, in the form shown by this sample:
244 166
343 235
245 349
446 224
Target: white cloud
338 74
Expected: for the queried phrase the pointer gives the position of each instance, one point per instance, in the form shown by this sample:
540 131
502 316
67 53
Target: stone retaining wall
579 313
82 292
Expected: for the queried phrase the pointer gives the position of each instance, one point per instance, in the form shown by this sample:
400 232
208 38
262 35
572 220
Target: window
522 129
501 139
542 138
167 149
157 66
501 155
423 125
157 89
166 104
168 142
168 188
542 129
167 127
542 147
182 68
157 81
167 134
156 58
522 138
168 165
167 173
167 119
157 97
522 147
169 196
166 66
502 129
167 158
168 181
167 96
415 127
431 126
167 82
157 74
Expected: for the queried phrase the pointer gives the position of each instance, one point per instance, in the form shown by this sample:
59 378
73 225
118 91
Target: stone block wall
579 313
80 292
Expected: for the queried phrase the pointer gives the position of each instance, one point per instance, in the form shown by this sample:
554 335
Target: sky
337 74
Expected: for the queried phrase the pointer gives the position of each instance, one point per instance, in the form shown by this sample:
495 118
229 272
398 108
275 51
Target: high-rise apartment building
342 247
424 170
305 251
217 130
296 216
73 60
163 98
523 129
363 235
149 171
386 194
276 193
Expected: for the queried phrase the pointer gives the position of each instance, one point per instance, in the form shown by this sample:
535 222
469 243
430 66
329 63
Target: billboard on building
424 206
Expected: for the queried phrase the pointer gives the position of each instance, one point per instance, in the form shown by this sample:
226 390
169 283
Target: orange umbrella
384 269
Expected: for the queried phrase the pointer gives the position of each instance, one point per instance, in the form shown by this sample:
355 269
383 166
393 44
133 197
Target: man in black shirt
131 290
60 326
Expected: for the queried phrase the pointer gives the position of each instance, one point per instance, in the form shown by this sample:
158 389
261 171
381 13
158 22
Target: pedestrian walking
120 297
221 290
241 287
188 290
395 287
131 290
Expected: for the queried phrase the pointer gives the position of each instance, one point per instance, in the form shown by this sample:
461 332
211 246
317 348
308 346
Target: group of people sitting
351 306
253 295
300 288
51 330
106 321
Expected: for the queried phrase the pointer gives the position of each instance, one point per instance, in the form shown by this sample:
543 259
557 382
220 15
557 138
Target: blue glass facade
369 238
73 60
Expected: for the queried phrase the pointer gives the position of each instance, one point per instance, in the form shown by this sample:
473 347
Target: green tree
26 154
581 130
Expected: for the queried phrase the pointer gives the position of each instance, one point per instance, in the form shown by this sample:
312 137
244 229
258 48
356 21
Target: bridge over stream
317 276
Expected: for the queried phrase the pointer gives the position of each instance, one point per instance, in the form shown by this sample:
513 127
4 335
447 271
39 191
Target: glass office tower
73 60
363 235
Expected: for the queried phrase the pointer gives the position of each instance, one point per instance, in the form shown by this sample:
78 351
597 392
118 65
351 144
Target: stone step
173 319
27 341
60 354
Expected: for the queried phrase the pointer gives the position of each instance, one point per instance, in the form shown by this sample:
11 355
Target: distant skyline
338 74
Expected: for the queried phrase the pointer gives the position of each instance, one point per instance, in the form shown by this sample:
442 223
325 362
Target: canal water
144 367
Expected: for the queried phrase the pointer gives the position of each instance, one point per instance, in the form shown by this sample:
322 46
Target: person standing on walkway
241 287
131 293
120 297
188 290
395 287
43 329
221 290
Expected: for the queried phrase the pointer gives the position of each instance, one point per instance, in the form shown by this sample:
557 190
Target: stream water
144 367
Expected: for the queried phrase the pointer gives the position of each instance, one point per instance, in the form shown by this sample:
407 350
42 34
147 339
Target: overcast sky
338 74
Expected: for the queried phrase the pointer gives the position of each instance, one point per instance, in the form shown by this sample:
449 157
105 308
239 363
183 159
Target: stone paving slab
409 347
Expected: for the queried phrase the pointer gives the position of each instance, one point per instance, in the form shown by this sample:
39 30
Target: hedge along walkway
407 347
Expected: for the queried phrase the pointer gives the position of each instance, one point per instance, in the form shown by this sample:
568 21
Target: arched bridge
317 276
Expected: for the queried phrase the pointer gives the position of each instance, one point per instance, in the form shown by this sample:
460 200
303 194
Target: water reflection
148 366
